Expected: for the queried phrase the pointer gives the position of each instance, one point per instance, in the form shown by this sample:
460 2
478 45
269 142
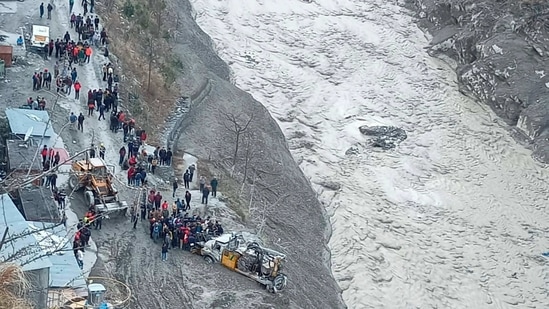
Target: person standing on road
81 122
205 194
92 4
72 119
202 183
80 258
74 75
46 81
41 10
77 87
188 200
71 5
186 179
169 155
213 184
192 168
44 154
88 53
101 111
175 186
157 200
165 251
51 46
92 151
91 108
122 153
53 181
50 8
102 151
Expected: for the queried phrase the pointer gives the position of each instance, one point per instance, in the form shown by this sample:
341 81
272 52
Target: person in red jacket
131 174
157 200
77 87
143 136
165 205
44 154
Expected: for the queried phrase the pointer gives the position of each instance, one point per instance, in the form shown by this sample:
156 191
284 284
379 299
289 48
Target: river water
454 217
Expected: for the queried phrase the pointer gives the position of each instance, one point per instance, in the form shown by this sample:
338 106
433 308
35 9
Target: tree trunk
236 147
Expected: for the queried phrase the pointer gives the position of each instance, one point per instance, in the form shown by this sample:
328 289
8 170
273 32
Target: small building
6 54
30 131
24 251
36 204
23 121
45 255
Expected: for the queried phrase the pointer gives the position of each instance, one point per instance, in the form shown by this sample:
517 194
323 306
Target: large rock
385 137
501 50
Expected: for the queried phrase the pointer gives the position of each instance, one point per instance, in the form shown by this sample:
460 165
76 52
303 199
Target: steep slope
501 52
294 219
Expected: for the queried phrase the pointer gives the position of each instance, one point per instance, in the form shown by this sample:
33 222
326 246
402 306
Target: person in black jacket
175 186
187 200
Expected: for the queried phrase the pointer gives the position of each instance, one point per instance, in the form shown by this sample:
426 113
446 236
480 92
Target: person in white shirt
80 259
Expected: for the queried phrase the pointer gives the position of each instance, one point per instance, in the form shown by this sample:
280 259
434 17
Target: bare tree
238 127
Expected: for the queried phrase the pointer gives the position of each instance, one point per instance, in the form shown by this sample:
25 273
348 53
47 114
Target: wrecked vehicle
247 258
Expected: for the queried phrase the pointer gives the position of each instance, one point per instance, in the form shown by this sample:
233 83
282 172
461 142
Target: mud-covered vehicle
248 258
97 180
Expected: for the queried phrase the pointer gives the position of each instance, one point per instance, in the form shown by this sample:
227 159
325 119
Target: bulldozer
97 179
247 258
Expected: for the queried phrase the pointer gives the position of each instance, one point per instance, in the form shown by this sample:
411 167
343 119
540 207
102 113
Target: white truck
40 37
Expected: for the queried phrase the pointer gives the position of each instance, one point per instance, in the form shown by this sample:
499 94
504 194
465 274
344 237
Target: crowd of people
175 227
171 223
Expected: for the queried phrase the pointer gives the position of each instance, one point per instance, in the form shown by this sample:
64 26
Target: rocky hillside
501 49
281 203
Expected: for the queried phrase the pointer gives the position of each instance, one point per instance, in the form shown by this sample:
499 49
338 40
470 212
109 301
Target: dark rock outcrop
384 136
501 49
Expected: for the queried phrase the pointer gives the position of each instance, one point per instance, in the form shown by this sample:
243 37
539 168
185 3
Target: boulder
501 52
385 137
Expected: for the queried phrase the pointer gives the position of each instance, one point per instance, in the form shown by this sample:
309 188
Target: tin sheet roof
47 240
38 204
64 271
21 120
24 249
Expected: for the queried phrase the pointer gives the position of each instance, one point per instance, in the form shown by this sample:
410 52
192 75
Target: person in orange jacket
77 87
88 53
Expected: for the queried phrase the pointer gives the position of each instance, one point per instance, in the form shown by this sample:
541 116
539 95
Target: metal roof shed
38 205
25 247
64 272
20 156
21 120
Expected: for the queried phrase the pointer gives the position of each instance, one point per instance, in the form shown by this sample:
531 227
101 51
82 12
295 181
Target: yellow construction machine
97 179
